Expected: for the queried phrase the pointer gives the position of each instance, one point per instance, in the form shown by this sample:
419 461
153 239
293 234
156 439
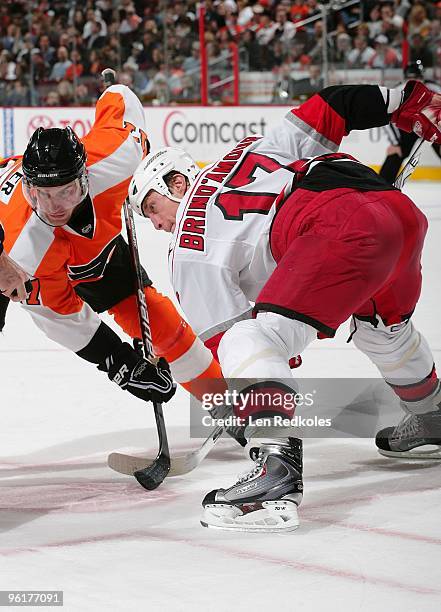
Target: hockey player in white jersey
311 237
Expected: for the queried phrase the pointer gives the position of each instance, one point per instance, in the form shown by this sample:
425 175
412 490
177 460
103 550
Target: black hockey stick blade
153 475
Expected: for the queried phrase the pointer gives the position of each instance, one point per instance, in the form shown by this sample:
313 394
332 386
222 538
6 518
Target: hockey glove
138 376
4 303
420 112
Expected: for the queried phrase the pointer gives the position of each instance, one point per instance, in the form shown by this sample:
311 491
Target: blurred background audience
52 51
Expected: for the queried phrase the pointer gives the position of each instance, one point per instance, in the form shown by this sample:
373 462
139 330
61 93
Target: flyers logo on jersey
94 268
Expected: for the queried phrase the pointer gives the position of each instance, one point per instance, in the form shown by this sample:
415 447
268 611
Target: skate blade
271 517
416 453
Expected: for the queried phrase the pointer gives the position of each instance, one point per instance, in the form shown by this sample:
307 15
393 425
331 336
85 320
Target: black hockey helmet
53 157
414 70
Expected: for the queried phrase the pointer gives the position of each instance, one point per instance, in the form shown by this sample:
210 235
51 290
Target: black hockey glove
4 303
138 376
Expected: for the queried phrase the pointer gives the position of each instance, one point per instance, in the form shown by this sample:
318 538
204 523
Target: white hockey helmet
149 175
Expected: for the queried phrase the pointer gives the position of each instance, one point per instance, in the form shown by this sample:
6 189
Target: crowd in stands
52 52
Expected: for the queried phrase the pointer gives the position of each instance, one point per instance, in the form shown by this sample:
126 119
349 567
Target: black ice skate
265 498
417 436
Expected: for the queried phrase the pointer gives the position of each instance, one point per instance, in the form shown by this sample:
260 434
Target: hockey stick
150 472
152 475
180 464
410 165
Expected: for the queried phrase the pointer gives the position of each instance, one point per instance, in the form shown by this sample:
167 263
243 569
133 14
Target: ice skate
417 436
266 498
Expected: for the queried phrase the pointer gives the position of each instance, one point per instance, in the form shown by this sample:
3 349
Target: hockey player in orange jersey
60 206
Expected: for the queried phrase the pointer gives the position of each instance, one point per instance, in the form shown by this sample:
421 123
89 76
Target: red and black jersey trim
418 391
327 331
331 114
2 237
335 171
335 174
360 106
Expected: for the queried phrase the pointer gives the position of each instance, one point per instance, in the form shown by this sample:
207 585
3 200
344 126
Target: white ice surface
370 534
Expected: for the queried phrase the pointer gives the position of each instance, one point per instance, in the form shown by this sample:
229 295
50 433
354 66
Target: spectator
284 29
267 27
419 50
361 54
434 40
314 8
374 22
65 92
46 50
343 49
82 96
387 22
11 40
150 26
157 59
279 54
135 55
192 63
97 39
315 48
363 30
298 10
18 94
304 88
39 67
418 22
96 64
253 49
384 56
77 20
245 13
158 89
60 67
53 99
76 68
131 21
93 17
7 66
130 33
139 80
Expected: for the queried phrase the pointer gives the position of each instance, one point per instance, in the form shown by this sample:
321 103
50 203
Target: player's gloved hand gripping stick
420 112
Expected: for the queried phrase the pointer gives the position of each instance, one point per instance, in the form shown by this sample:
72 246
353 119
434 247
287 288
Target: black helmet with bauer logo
53 157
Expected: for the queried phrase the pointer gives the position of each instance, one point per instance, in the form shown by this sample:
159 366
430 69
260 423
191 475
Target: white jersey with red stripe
58 258
220 254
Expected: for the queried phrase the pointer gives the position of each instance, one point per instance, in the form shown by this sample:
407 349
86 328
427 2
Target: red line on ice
296 565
